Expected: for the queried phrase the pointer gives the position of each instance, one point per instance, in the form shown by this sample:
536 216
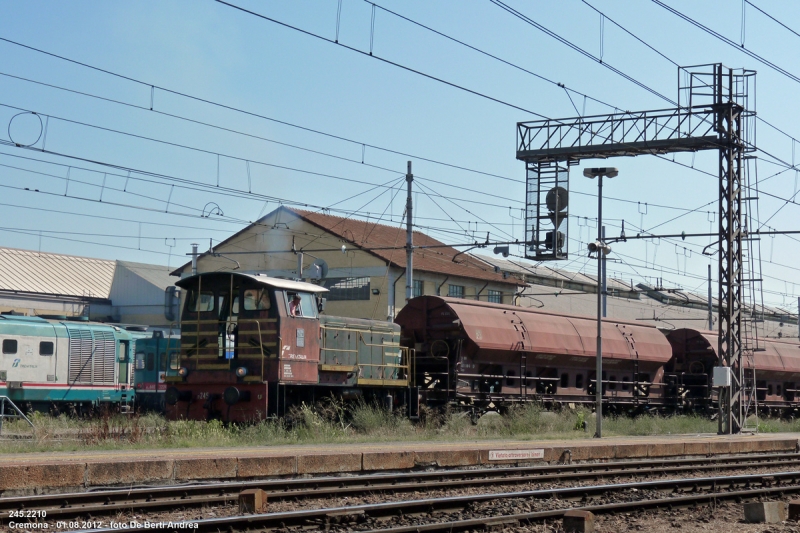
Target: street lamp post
602 250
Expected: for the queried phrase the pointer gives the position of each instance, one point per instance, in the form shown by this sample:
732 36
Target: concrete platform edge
74 475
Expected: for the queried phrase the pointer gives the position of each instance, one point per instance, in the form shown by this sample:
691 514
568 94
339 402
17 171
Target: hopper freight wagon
478 356
777 373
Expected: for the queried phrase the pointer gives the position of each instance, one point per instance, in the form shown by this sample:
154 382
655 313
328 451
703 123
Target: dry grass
333 422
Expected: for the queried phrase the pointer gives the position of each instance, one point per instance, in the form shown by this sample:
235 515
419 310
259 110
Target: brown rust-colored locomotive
253 345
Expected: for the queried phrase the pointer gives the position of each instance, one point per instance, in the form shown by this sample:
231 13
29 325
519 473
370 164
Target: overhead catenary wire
751 4
269 118
240 110
496 2
728 41
492 56
578 49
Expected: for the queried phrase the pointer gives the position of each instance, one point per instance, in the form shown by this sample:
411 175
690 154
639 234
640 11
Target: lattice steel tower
715 112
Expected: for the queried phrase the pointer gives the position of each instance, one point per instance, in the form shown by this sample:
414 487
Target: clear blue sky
211 51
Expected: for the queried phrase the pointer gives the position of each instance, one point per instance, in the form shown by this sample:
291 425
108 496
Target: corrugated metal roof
48 273
158 275
552 273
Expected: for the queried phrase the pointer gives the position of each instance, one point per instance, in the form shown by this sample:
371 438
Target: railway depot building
361 262
42 283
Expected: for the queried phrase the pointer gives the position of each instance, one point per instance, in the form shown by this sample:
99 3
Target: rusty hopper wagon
480 356
777 372
252 345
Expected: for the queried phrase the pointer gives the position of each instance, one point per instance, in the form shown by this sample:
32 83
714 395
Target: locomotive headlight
241 372
183 371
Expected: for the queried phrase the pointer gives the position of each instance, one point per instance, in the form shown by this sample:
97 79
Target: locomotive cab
242 336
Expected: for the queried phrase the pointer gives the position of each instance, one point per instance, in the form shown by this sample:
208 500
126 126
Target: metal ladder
750 291
637 391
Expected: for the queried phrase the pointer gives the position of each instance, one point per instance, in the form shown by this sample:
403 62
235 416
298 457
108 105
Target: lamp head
598 246
502 250
609 172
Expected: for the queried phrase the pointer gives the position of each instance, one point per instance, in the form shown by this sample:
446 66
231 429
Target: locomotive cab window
151 362
46 348
9 346
173 360
564 380
162 361
625 381
256 300
139 360
579 381
301 304
200 302
613 383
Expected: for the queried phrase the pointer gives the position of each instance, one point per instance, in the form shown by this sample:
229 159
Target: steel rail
327 517
152 498
516 519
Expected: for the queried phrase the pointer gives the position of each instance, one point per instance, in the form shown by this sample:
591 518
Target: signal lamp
241 371
183 371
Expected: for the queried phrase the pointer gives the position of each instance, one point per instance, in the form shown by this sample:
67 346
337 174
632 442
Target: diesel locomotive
252 345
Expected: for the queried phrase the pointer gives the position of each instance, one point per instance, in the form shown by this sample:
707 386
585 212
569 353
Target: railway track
147 499
436 514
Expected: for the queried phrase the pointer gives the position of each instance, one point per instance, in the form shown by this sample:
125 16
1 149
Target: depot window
9 346
495 297
419 288
455 291
344 289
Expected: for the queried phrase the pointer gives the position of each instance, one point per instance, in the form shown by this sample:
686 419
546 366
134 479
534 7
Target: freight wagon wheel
697 368
440 348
